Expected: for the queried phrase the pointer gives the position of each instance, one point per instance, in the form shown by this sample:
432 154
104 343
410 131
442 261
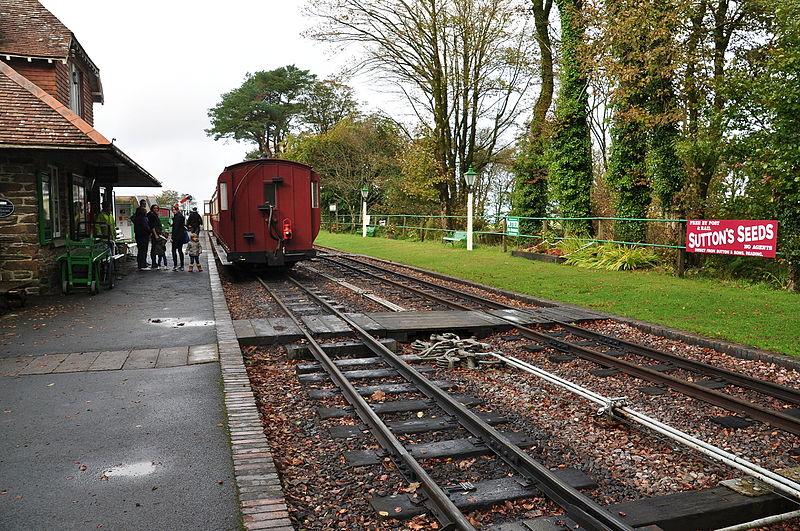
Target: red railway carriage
265 212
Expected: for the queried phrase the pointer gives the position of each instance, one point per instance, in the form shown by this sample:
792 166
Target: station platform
112 412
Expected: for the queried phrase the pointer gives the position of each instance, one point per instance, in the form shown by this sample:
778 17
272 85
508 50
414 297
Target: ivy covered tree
530 166
643 162
570 150
262 109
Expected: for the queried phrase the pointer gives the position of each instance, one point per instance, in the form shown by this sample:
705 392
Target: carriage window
269 194
223 196
314 194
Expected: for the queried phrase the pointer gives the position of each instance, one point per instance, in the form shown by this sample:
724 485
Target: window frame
223 195
75 90
78 183
53 211
314 194
270 194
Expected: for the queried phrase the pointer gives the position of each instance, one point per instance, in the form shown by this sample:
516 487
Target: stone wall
22 257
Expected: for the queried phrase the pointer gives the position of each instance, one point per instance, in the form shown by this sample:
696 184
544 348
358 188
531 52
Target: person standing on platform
105 227
194 249
179 237
155 228
160 245
142 232
194 221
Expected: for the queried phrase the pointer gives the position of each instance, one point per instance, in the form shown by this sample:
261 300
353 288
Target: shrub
613 258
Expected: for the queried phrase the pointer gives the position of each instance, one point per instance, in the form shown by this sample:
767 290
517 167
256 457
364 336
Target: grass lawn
752 315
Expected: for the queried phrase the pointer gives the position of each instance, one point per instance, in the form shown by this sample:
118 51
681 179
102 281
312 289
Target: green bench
458 236
371 230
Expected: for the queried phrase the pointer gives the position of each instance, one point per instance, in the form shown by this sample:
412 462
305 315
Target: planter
539 256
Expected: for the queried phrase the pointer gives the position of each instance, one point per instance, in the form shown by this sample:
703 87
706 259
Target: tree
767 122
353 154
326 103
570 150
262 109
530 166
168 198
462 65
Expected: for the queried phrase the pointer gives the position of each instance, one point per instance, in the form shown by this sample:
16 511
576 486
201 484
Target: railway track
529 476
606 351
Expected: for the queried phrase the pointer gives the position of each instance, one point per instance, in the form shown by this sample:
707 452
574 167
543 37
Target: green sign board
512 226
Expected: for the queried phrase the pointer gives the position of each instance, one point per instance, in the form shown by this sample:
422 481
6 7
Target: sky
164 63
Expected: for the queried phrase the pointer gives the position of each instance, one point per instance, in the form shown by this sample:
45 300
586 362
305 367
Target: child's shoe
199 268
190 267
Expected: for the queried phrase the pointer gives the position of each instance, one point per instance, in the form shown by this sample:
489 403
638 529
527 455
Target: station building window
49 205
75 92
79 208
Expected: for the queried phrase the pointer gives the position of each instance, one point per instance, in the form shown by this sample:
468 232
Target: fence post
505 229
680 265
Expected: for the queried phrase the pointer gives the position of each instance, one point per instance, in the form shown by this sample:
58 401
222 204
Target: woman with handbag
179 237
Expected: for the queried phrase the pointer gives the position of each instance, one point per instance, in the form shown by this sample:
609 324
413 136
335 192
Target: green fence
492 230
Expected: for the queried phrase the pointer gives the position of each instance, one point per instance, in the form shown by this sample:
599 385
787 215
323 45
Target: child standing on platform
194 249
160 250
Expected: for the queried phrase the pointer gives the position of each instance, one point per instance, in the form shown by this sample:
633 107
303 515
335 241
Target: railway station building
56 170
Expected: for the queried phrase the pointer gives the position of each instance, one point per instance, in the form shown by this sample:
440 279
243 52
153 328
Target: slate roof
30 116
27 28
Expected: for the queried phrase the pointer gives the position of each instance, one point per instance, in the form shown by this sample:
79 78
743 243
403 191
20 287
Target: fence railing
663 233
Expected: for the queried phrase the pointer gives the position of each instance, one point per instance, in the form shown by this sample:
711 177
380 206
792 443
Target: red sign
734 237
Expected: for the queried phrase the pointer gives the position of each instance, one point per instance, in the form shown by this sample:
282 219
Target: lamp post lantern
364 193
469 177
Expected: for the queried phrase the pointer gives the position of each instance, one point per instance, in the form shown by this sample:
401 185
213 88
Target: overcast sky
164 63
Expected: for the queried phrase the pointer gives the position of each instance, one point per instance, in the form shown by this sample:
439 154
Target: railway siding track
612 351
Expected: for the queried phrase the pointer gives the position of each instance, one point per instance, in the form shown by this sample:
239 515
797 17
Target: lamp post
469 176
364 192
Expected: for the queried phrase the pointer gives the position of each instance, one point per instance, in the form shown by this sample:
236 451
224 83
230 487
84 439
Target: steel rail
782 392
438 501
769 416
580 508
618 408
422 293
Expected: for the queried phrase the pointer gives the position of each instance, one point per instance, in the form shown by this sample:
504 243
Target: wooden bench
458 236
15 291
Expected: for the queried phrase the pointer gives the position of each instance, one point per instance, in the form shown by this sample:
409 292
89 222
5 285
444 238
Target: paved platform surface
149 309
112 412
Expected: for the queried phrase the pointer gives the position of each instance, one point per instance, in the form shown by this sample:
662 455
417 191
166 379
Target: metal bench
458 236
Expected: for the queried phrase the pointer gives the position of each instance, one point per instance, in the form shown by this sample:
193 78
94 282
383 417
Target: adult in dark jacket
178 236
194 221
155 231
142 232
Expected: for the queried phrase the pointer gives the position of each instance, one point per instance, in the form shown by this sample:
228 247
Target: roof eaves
79 51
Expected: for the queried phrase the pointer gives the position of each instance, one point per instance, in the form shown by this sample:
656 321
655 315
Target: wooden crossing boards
402 325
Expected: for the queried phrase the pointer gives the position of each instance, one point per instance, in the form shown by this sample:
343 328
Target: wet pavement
147 309
111 410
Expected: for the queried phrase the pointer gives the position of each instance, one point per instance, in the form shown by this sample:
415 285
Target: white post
469 220
364 219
